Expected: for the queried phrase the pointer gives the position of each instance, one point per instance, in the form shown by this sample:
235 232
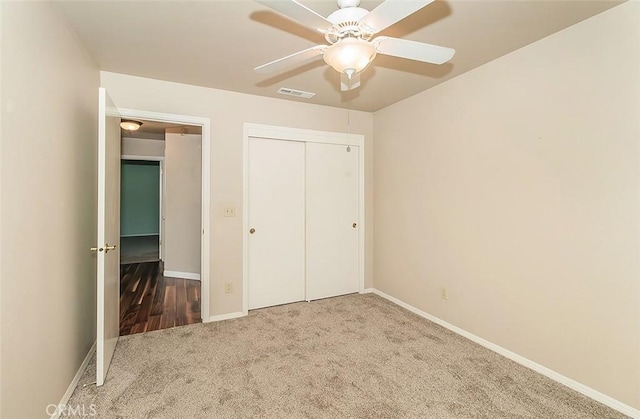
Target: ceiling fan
350 32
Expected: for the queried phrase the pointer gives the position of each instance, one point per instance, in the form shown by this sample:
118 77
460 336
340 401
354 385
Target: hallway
137 249
149 301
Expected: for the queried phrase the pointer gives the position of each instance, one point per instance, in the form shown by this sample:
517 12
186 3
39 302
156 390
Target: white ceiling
218 43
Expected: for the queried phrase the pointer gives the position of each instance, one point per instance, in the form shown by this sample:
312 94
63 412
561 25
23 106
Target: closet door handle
253 230
354 225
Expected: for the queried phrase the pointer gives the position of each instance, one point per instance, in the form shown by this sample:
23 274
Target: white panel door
108 253
332 220
276 239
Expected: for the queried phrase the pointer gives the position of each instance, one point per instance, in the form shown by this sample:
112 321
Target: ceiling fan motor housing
346 23
348 3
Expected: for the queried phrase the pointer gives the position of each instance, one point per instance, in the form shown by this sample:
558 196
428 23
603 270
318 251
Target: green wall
139 197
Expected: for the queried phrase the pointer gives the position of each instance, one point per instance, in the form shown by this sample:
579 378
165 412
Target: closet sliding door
276 212
332 220
302 222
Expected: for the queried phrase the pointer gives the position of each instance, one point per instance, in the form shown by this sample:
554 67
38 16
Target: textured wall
516 187
48 172
183 202
142 147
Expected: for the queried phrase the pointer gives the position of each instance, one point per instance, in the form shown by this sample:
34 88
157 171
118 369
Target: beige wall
2 319
48 172
516 187
142 147
182 202
228 111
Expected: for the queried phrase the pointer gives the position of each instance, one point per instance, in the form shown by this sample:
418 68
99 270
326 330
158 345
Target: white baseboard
227 316
579 387
367 291
74 382
182 275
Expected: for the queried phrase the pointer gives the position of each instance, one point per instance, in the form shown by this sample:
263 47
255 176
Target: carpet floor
357 356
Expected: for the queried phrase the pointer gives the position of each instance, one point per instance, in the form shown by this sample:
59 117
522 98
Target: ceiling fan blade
390 12
299 12
347 83
413 50
291 60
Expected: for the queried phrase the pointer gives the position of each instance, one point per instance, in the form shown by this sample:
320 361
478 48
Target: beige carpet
356 356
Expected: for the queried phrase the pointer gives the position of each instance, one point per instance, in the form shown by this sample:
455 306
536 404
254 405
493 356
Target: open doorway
140 209
161 228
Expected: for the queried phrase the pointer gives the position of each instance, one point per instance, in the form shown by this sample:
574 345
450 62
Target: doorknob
354 225
103 249
253 230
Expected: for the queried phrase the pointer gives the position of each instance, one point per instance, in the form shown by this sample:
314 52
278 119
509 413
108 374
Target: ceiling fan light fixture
350 56
351 33
130 125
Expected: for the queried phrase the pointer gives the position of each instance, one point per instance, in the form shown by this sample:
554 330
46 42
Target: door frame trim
205 222
273 132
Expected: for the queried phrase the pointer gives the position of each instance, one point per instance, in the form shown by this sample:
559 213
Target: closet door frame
302 135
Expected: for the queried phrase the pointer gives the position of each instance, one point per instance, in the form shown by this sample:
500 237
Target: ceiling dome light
130 125
350 55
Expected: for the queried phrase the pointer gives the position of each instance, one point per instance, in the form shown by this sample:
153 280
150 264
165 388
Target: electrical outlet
228 288
443 294
229 211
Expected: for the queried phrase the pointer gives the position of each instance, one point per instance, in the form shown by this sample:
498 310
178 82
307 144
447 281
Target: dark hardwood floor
149 301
